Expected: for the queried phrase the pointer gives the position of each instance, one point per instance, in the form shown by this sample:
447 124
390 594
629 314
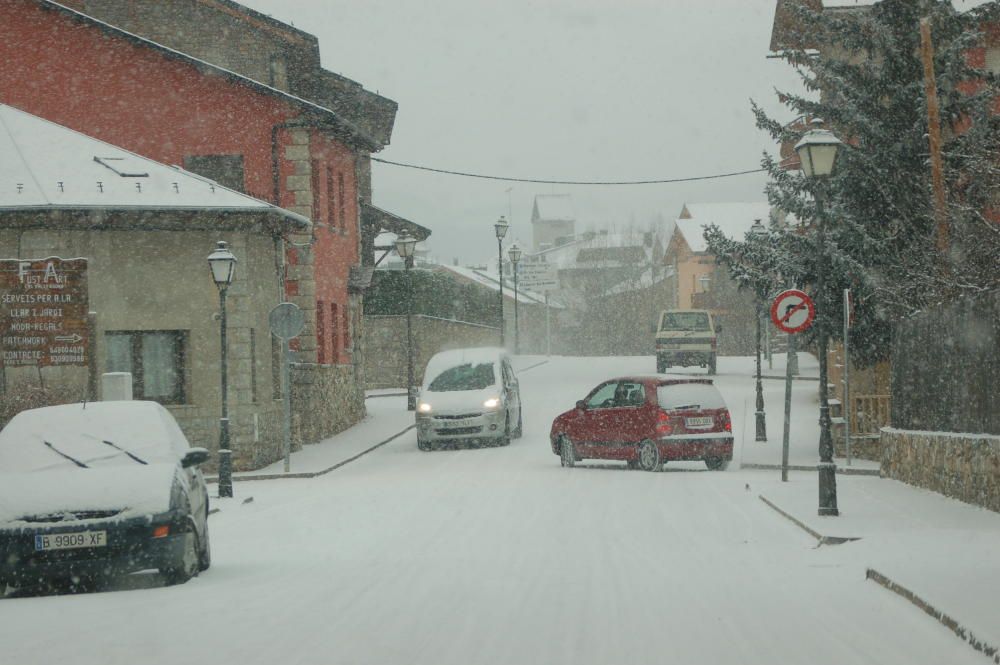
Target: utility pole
934 135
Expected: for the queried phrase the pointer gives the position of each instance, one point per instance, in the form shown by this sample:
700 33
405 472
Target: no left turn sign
793 311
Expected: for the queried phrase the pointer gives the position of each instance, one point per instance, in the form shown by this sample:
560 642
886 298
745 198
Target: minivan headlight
424 407
492 403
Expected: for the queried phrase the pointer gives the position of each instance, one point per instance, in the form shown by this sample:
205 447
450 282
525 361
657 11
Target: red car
646 421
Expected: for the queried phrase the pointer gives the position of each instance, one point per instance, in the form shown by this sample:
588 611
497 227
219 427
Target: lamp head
501 227
223 264
817 151
515 254
405 245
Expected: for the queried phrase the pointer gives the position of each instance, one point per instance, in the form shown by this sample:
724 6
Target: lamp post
818 153
223 265
501 229
515 257
405 246
757 232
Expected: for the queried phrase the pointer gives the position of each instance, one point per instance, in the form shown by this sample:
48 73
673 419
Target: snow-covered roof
205 65
491 281
733 219
48 166
553 207
565 257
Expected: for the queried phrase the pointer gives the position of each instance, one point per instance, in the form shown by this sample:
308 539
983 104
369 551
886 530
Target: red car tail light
726 421
663 424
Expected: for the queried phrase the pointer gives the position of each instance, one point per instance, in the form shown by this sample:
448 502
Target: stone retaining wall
962 466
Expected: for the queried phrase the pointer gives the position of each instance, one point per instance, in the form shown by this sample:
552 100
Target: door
622 424
589 427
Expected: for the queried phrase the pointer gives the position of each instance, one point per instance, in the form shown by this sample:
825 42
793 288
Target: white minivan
469 395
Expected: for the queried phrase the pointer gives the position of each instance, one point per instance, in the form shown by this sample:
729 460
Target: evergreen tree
880 223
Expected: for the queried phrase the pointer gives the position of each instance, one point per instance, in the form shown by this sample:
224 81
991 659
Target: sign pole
788 410
286 402
286 321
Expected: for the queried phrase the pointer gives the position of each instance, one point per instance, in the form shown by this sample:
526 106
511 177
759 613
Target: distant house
147 229
553 221
687 252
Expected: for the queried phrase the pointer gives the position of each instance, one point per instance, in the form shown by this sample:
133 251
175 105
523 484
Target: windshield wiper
116 447
62 454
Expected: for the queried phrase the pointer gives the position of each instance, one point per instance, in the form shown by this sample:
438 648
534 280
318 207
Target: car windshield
469 376
685 321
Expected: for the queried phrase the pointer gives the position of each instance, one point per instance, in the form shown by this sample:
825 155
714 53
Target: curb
312 474
821 539
403 394
948 622
841 471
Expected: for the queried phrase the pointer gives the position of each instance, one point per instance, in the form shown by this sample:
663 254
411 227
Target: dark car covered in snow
98 490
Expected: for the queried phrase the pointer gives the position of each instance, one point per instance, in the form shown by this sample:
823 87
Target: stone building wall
385 342
962 466
326 400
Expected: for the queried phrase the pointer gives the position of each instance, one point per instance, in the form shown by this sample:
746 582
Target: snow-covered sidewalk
387 417
945 552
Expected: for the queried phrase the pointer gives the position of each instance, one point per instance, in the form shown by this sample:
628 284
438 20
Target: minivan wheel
567 454
519 430
187 566
716 463
505 439
649 456
423 444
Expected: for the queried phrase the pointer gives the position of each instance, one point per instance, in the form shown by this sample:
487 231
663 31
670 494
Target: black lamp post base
761 427
827 489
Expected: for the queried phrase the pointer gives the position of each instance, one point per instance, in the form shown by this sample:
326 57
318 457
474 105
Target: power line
567 182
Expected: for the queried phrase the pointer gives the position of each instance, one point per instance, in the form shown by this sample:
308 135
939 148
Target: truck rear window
678 396
684 321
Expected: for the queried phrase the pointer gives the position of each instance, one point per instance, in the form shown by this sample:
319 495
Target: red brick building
88 75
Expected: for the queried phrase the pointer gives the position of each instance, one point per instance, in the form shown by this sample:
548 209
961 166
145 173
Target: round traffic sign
793 311
286 320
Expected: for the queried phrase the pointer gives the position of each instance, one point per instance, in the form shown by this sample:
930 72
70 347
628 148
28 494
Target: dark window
347 327
331 201
315 180
157 360
227 170
343 202
321 333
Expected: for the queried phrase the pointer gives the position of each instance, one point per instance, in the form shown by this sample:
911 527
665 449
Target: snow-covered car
90 491
645 421
469 395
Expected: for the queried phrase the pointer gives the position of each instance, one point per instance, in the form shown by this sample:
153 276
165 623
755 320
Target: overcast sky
567 90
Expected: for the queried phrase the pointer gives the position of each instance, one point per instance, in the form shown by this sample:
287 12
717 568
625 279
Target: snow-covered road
499 556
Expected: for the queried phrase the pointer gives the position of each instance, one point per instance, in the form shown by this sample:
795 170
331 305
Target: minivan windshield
685 321
464 377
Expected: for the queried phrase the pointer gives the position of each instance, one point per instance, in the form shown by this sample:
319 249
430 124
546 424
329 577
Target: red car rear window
694 396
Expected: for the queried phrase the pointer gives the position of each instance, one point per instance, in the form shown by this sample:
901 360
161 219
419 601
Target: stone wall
326 400
385 345
962 466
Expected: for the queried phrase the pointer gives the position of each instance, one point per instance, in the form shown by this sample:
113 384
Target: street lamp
818 151
515 257
405 246
501 228
223 265
758 232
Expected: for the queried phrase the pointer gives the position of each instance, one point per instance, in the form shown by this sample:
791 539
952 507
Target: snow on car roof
41 439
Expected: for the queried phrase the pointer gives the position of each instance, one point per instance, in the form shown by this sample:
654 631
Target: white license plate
705 421
455 424
71 541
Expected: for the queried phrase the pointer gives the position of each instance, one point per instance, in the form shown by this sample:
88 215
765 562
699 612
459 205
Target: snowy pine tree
880 222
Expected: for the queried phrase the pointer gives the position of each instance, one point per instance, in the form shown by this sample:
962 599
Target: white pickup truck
687 337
